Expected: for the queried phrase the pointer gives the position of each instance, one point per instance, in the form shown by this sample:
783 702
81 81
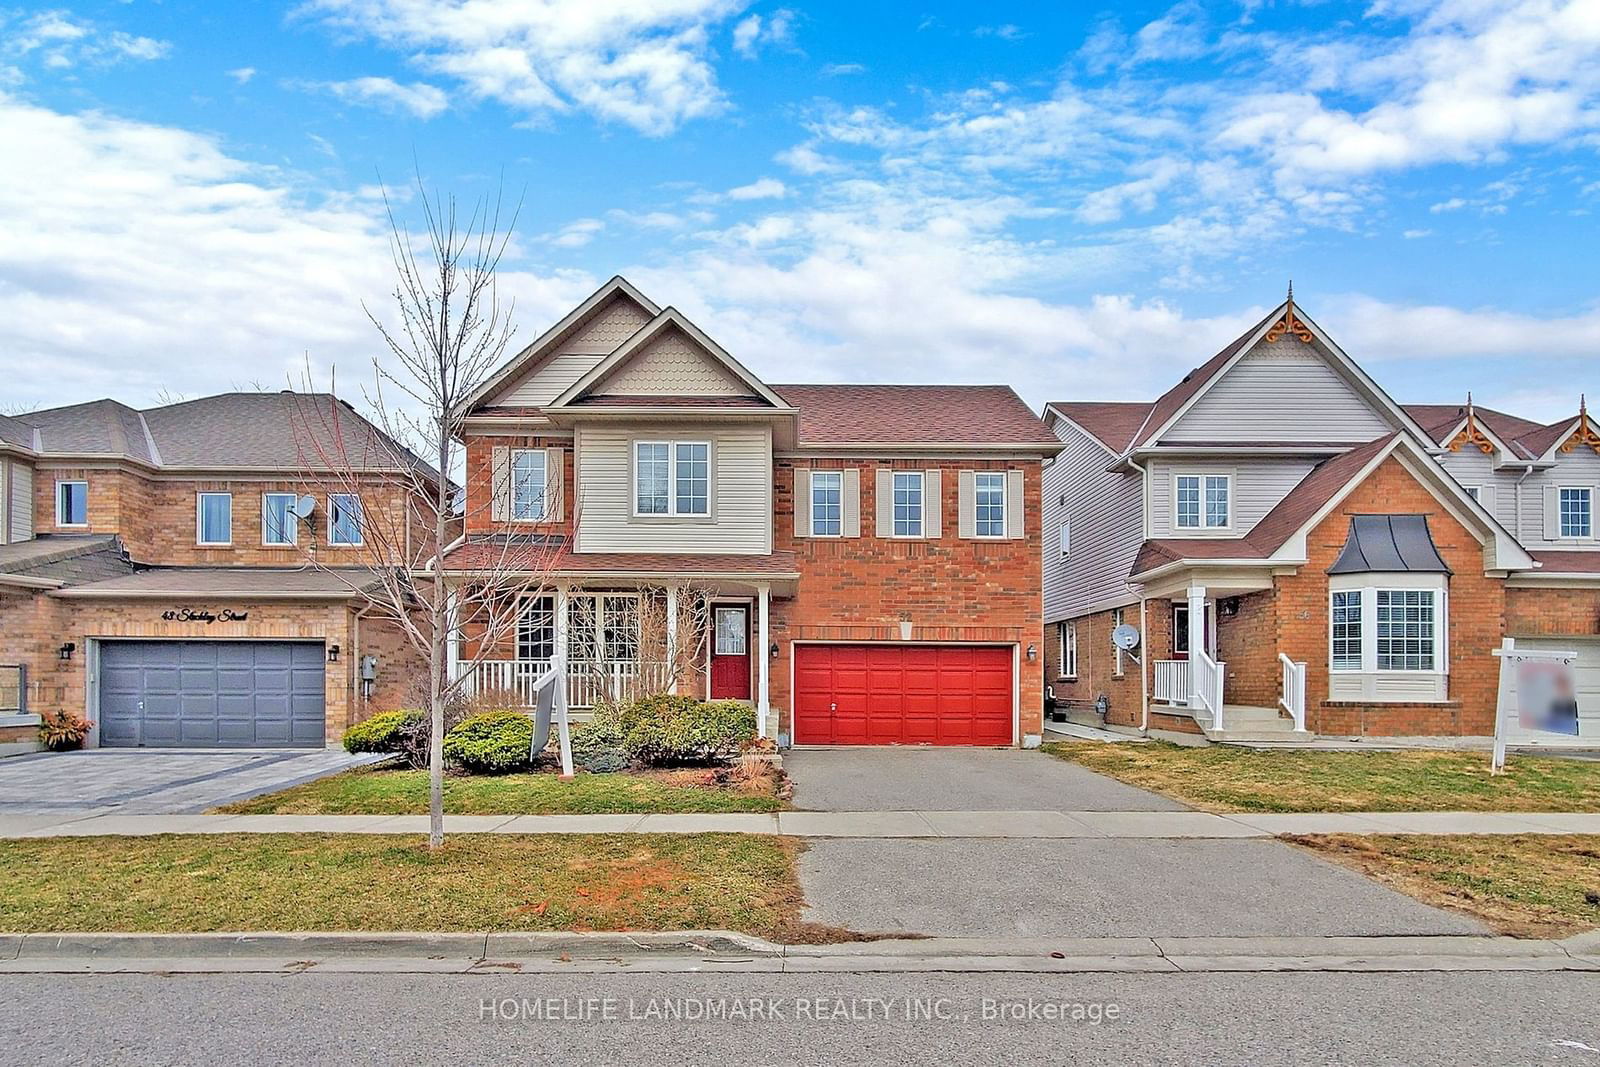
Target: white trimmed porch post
1197 638
452 647
763 691
563 654
672 638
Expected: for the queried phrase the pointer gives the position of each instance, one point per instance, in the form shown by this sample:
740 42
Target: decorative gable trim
1583 433
1474 435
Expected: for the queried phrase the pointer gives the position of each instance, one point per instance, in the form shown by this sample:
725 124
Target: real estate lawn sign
1546 694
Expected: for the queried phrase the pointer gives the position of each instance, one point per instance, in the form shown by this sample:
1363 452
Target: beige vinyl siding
1106 512
1258 484
672 365
589 344
1284 391
741 493
1580 467
1497 490
19 509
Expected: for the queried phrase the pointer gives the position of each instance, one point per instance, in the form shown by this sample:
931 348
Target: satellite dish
1125 637
304 506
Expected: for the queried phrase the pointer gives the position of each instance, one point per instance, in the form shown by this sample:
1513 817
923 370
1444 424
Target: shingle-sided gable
672 364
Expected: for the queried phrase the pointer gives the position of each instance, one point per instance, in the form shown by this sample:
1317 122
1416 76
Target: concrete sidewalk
831 824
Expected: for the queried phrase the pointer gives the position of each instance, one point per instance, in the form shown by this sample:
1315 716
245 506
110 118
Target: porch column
561 635
1197 637
672 638
452 645
763 691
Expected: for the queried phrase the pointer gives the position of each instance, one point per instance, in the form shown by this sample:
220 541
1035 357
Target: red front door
730 652
902 695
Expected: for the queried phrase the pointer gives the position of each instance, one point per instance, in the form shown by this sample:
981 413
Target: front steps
1249 725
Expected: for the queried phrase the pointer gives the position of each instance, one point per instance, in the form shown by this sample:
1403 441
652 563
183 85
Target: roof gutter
26 581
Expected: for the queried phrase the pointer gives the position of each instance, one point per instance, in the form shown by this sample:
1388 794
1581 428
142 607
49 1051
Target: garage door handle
833 707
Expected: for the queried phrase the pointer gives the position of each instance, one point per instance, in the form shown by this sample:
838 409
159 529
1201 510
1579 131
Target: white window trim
60 520
361 538
544 495
672 511
294 523
1475 492
839 474
922 506
200 519
523 600
1561 535
1204 527
1005 519
1067 650
1064 537
1368 585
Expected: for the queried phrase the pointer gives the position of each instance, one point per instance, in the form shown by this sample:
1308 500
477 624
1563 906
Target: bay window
1387 637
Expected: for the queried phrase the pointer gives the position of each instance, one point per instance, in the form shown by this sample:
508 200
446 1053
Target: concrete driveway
158 781
956 779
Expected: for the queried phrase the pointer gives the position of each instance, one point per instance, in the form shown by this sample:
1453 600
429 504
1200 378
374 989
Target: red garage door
902 695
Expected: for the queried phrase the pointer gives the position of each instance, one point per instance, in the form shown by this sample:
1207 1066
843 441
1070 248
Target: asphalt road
1473 1017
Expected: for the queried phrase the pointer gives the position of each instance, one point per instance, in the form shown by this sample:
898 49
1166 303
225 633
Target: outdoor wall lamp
333 653
66 650
773 651
1033 653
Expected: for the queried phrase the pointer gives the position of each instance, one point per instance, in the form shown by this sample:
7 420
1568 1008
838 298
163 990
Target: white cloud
242 75
1455 203
643 63
1006 32
575 234
58 40
1384 331
1412 235
419 99
753 32
760 189
840 70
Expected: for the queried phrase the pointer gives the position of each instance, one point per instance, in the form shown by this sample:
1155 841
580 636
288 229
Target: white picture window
72 503
528 480
672 478
907 487
1203 501
214 518
1346 629
345 520
1577 512
1066 540
279 524
827 503
536 630
1406 631
1068 636
989 502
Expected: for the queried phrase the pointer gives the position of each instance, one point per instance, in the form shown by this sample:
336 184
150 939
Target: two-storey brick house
1299 554
867 556
156 570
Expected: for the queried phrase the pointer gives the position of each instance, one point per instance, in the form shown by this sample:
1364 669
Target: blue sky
1080 201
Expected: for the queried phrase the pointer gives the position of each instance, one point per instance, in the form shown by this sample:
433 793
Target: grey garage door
211 694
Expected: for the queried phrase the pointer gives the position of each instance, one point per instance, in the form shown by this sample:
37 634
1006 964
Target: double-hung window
907 488
1577 512
1066 539
1406 631
536 629
1069 650
989 499
279 524
1347 630
528 479
1203 501
827 503
214 519
344 519
672 478
72 503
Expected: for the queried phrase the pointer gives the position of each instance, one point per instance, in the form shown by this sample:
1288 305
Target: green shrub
668 729
381 733
597 745
493 742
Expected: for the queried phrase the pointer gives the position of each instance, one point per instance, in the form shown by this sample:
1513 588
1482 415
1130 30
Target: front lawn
1225 778
380 882
1525 886
379 791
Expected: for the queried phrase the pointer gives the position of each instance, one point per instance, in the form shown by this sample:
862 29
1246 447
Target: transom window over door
1577 512
989 497
827 509
528 480
907 503
1202 501
672 478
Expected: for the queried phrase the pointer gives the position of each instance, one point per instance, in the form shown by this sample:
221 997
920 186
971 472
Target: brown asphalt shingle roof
1576 562
276 582
556 557
1112 424
914 415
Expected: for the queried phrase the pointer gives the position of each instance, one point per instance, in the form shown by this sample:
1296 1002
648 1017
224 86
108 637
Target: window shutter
1552 512
1016 527
885 502
850 504
555 484
932 503
802 502
500 478
967 500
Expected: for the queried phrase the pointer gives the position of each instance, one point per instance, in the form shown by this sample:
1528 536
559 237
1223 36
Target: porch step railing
1205 675
588 684
1293 697
1172 681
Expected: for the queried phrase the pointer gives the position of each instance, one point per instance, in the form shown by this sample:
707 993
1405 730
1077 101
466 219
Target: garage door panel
903 694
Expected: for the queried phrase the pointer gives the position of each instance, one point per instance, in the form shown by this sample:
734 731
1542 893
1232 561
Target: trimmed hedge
384 732
493 742
667 729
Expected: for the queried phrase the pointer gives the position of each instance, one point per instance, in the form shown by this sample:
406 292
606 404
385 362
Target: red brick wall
1248 643
949 589
1544 612
480 482
1477 609
1097 668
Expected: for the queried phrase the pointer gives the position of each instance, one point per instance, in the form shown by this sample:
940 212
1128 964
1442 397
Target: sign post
1542 684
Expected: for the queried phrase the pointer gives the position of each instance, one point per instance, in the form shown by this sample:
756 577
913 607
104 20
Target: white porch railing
587 683
1293 697
1172 681
1205 675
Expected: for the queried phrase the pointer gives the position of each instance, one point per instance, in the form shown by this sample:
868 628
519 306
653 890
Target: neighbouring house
157 577
861 563
1299 554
